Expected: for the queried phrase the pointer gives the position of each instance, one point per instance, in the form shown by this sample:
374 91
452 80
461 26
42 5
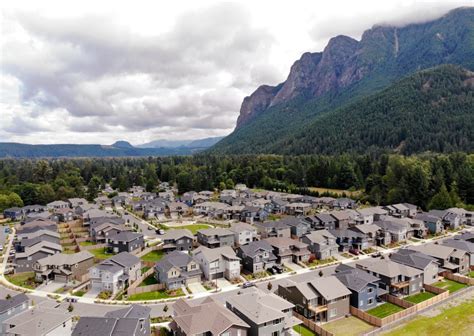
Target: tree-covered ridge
424 180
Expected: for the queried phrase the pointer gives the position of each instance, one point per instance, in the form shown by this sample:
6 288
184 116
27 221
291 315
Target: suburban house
26 240
398 231
126 241
432 223
62 267
257 256
177 269
449 258
63 215
217 237
420 261
250 214
243 233
115 273
206 318
218 262
324 221
100 233
298 227
363 286
352 239
265 313
75 202
24 261
133 320
289 250
322 299
14 213
177 240
273 229
298 209
322 244
11 307
57 205
395 278
461 245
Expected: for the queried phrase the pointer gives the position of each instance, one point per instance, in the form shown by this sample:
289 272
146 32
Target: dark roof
356 279
126 236
251 248
462 245
412 258
175 258
133 311
12 302
125 259
325 217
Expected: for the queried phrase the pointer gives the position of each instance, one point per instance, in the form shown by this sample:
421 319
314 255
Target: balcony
400 285
318 309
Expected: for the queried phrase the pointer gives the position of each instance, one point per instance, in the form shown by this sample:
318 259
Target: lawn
350 326
450 285
303 330
150 280
194 227
471 274
144 269
26 279
87 243
156 295
336 191
452 321
153 256
101 253
384 310
79 293
420 297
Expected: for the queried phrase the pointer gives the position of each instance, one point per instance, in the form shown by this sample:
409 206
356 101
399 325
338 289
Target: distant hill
198 143
284 118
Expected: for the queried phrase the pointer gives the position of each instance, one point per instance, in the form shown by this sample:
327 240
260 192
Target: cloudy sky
99 71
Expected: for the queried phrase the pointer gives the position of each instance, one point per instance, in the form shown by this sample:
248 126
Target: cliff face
383 49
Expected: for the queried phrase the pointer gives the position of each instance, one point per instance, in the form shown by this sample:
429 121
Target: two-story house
177 240
217 237
11 307
126 241
322 244
177 269
449 258
257 256
218 262
62 267
420 261
24 261
273 229
243 233
289 250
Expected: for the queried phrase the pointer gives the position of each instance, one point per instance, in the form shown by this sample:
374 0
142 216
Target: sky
99 71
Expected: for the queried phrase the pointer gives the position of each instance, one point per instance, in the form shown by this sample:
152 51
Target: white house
218 262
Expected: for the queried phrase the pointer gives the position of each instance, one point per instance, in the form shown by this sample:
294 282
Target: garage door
217 275
193 280
60 278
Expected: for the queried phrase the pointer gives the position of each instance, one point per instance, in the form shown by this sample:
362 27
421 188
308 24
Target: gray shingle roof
14 301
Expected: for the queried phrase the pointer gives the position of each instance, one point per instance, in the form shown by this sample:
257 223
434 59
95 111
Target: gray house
24 261
420 261
126 241
177 240
177 269
462 245
257 256
449 258
133 320
273 229
266 313
322 244
11 307
216 237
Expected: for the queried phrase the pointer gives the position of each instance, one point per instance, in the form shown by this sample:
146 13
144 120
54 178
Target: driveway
92 293
292 266
51 287
197 288
222 282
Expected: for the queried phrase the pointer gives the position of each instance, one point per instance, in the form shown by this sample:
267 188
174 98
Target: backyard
450 285
87 243
153 256
420 297
156 295
150 280
26 279
452 321
101 253
349 326
384 310
303 330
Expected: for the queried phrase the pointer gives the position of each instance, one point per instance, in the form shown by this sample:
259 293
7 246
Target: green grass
144 269
457 321
450 285
384 310
157 295
303 330
150 280
349 326
87 243
471 274
79 293
153 256
420 297
101 253
194 227
26 279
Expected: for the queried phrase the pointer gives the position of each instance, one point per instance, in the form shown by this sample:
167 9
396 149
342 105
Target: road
146 228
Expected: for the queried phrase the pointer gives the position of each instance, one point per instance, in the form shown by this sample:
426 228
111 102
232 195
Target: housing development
235 261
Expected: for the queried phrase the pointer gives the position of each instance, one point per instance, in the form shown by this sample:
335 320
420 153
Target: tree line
429 180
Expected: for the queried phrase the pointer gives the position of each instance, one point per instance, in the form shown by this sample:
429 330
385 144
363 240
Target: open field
194 227
349 326
450 285
420 297
457 321
153 256
157 295
384 310
336 191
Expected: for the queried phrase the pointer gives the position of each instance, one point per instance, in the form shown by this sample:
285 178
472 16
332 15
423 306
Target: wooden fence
92 247
140 279
397 301
458 278
313 326
148 250
145 289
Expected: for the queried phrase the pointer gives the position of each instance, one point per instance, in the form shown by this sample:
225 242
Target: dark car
278 268
272 270
248 284
376 255
354 251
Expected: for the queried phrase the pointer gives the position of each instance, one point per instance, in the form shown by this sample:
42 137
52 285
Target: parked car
279 269
354 251
160 231
248 284
271 270
71 299
376 255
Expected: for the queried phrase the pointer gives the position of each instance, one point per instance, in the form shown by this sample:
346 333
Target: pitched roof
356 279
215 232
132 311
319 236
173 259
387 267
60 259
240 227
177 234
330 287
463 245
412 258
125 259
126 236
215 253
12 302
251 249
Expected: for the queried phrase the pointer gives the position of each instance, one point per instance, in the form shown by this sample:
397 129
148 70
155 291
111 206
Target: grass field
350 326
194 227
153 256
336 191
384 310
457 321
157 295
450 285
26 279
101 253
150 280
420 297
303 330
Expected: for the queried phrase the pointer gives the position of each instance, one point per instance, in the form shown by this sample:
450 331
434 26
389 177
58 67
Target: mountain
194 144
345 72
122 144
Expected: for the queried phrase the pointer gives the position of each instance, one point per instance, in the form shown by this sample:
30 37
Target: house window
413 287
275 333
370 301
333 312
361 303
370 290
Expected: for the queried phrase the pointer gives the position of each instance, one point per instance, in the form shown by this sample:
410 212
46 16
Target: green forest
429 180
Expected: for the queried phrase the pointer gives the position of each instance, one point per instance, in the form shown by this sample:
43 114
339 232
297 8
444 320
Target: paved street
147 229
